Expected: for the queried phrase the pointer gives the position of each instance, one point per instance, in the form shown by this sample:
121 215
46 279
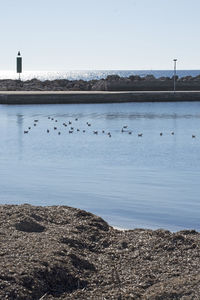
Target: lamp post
175 60
19 63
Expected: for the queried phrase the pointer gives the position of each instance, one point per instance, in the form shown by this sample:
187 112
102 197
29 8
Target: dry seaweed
61 252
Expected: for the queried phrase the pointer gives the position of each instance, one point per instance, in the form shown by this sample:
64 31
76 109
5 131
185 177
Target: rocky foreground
61 252
111 83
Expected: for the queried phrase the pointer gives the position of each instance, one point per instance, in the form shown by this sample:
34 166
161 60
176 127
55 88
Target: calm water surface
93 74
150 181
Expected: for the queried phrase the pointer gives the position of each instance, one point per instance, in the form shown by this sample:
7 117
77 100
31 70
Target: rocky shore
111 83
61 252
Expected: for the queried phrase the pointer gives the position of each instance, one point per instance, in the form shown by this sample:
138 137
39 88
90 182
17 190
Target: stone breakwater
61 252
111 83
113 89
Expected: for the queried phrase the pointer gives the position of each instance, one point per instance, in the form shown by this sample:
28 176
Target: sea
93 74
141 169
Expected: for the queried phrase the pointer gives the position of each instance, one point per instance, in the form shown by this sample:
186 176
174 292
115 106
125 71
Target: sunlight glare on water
92 74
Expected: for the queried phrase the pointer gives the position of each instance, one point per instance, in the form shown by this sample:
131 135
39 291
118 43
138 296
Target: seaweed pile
61 252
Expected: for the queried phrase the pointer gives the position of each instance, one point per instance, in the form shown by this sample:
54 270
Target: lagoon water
151 181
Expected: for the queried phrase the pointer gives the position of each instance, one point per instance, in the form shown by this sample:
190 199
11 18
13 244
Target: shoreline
61 252
84 97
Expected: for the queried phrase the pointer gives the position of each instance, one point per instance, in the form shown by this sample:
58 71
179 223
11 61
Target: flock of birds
72 129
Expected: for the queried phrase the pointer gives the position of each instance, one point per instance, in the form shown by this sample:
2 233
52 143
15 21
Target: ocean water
150 181
92 74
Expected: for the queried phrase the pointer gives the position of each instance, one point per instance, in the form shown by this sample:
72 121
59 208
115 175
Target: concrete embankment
72 97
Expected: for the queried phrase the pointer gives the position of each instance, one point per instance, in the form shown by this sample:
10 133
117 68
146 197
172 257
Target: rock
186 78
100 85
135 78
111 83
197 78
149 78
113 77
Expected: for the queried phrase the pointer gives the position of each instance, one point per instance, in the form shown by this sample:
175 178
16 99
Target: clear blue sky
100 34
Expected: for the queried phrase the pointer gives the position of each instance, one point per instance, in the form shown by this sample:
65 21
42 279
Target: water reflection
149 116
19 121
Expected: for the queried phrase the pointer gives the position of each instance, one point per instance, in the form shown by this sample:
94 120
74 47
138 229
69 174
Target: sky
64 35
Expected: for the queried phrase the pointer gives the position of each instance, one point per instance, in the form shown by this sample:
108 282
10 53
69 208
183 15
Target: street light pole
175 60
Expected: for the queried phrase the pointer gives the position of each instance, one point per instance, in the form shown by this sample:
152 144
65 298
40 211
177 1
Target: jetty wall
75 97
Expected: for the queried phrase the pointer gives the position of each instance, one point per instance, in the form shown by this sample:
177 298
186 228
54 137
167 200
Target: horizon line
110 70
